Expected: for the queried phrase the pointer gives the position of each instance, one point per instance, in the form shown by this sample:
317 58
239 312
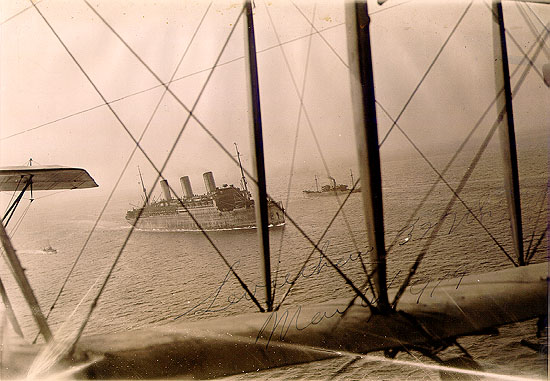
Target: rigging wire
541 238
526 18
185 76
230 156
162 84
13 194
310 124
324 255
311 23
528 255
19 13
316 247
124 168
243 285
518 45
191 115
541 37
340 210
294 148
429 163
471 167
453 191
94 303
428 70
450 204
395 123
20 220
545 26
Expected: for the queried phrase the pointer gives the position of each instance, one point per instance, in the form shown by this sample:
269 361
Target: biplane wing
46 177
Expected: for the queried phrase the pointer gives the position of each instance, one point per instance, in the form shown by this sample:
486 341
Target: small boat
49 250
331 189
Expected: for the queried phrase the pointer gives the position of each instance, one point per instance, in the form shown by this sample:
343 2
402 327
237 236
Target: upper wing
47 177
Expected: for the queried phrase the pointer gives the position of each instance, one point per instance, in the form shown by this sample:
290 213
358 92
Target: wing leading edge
47 177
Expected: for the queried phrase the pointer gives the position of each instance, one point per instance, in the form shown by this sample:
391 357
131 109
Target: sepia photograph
274 189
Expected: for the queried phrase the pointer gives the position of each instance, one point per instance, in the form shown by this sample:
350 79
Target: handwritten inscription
453 220
280 319
216 303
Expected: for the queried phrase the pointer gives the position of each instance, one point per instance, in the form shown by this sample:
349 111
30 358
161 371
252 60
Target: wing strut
9 310
366 135
23 283
260 192
507 130
9 213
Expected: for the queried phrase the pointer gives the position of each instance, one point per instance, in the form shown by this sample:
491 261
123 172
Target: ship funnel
165 190
209 182
186 186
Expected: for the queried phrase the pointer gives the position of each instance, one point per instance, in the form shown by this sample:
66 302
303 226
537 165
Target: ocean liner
221 208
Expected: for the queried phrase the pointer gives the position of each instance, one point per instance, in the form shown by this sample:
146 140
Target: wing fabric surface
52 177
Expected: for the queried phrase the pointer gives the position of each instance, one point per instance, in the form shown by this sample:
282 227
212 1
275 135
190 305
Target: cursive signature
214 302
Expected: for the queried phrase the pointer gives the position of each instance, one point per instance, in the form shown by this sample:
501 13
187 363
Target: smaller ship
331 189
49 250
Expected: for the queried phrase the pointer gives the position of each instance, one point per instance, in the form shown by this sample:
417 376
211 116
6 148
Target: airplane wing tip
45 177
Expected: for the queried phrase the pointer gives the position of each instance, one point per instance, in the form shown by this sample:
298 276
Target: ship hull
209 218
329 193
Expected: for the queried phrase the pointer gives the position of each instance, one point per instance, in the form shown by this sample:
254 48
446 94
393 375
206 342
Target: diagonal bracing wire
162 84
183 77
123 170
303 110
450 204
230 156
518 45
544 26
395 123
294 148
428 70
453 191
542 202
234 160
295 279
440 175
471 167
541 37
94 303
18 13
531 250
308 120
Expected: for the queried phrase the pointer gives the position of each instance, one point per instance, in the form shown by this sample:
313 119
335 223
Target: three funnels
209 184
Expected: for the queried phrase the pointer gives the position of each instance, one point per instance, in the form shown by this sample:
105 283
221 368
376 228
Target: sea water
162 277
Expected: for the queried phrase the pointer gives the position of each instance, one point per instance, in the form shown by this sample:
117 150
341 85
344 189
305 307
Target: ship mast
243 179
316 184
143 187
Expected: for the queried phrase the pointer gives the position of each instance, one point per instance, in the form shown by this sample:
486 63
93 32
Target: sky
50 110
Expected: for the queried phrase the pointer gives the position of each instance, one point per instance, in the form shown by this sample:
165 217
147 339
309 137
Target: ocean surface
162 276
